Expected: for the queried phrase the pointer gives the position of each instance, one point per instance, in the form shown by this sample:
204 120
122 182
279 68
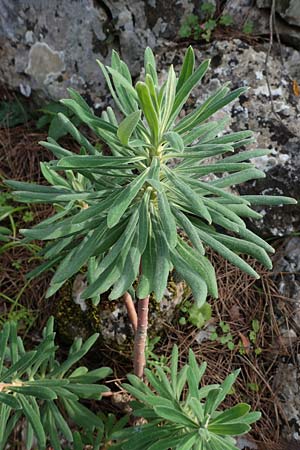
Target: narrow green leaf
204 132
88 390
175 416
242 246
36 391
186 88
238 178
94 162
193 279
232 429
70 128
148 109
148 261
152 89
52 177
167 219
248 154
144 219
187 67
169 99
232 414
270 200
81 415
174 140
188 193
127 127
35 421
124 199
74 357
181 380
4 335
9 400
149 60
19 367
252 237
119 78
77 257
225 252
162 266
174 368
55 148
190 230
212 105
197 408
211 402
130 271
199 264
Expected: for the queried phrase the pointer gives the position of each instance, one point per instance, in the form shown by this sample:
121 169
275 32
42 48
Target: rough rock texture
287 379
46 47
242 65
75 317
287 21
289 10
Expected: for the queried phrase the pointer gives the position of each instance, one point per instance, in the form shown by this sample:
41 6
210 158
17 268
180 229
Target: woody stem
141 337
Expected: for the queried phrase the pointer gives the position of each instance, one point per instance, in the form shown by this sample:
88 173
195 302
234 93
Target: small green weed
7 211
151 358
13 113
254 387
253 339
248 27
203 25
224 337
195 315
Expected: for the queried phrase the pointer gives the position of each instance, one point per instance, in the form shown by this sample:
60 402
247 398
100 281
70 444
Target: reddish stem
131 311
141 337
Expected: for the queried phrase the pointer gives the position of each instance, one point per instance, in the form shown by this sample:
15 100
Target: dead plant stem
131 311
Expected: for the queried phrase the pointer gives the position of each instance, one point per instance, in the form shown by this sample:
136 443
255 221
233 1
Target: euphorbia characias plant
132 216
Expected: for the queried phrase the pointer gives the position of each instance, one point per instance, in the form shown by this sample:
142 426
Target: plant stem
141 337
131 311
6 386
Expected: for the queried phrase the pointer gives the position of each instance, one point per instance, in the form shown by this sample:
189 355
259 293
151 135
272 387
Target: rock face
46 47
289 10
287 18
288 375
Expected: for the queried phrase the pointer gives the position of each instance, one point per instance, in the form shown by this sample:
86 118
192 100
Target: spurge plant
128 213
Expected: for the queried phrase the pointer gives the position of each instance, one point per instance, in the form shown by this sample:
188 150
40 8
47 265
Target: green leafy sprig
35 386
181 414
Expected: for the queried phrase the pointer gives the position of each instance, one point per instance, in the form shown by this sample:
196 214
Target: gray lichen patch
44 63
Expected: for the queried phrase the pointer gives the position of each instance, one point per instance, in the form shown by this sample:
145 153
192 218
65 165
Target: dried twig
131 311
271 19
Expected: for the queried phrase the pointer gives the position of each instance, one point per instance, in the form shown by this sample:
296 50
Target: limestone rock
289 10
287 381
46 47
287 21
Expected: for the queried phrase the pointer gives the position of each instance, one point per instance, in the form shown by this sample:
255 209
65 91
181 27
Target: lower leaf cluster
35 386
181 414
